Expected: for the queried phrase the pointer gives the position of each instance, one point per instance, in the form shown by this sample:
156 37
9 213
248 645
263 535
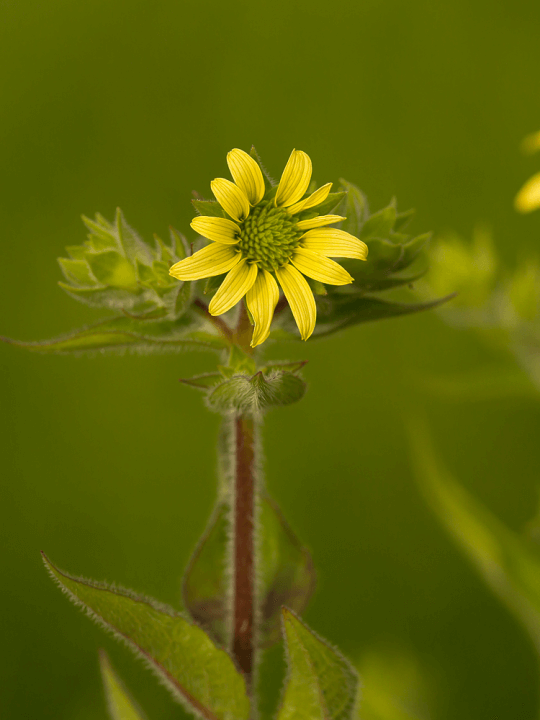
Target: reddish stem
244 545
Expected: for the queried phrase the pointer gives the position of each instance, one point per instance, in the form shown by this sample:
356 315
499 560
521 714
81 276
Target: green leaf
208 207
111 269
403 219
113 298
240 362
77 271
345 311
321 684
509 563
125 332
180 244
286 574
200 675
121 705
134 247
355 208
102 234
258 393
411 249
379 224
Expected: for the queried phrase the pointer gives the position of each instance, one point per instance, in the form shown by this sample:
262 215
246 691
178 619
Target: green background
108 462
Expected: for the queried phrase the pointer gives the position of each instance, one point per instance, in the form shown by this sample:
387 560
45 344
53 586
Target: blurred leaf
208 207
77 271
125 332
120 704
204 381
294 366
257 393
379 224
393 687
180 244
345 311
403 219
355 208
182 656
509 563
286 574
321 683
134 247
411 249
111 269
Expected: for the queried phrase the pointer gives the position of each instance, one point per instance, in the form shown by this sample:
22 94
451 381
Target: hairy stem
244 509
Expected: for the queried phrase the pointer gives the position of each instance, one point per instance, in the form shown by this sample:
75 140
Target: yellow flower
528 198
263 242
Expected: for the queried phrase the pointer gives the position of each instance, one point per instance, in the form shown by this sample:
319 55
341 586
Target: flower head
269 238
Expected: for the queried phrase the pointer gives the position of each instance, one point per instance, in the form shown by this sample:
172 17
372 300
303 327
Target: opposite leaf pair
321 684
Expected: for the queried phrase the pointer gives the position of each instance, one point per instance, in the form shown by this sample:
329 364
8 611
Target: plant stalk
244 522
244 546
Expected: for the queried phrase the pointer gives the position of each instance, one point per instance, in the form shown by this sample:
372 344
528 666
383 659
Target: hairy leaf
200 675
258 393
208 207
128 332
321 684
121 706
286 574
355 208
345 311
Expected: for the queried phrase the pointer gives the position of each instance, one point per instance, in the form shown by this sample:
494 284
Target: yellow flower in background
528 198
264 243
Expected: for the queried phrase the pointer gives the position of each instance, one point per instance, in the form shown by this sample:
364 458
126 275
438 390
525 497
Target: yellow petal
231 198
214 259
528 198
320 268
217 229
319 221
238 281
334 243
313 200
295 179
299 297
247 175
261 301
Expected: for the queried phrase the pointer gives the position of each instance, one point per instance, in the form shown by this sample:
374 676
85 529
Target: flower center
269 236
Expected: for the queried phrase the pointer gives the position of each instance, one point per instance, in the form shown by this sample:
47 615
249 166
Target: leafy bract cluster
154 312
116 269
504 307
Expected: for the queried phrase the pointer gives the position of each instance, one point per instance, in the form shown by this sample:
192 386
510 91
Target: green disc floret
269 236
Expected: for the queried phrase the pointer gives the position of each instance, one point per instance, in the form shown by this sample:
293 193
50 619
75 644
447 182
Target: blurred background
108 462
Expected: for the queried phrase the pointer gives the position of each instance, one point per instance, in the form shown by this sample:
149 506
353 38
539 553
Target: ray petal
313 200
217 229
299 297
261 301
231 198
320 268
332 242
214 259
237 283
246 174
319 221
295 179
